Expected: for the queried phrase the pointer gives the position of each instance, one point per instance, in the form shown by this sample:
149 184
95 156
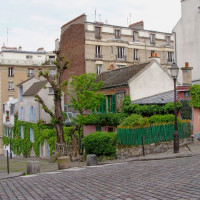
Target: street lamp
174 72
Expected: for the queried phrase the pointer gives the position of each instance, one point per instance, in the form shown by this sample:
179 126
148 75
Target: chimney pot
186 64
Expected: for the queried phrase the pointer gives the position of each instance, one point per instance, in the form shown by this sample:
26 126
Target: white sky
36 23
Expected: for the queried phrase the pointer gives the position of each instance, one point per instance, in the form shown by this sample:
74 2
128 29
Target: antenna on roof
95 15
7 37
99 18
130 18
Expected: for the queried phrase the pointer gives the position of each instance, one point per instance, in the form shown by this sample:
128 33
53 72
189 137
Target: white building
9 110
13 55
187 32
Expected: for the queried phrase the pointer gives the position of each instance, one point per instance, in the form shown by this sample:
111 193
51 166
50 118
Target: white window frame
10 85
136 54
30 72
121 52
98 51
51 90
10 71
99 69
170 56
117 34
29 57
52 72
152 38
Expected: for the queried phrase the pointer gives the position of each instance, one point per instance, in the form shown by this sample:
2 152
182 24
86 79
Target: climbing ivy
195 92
41 132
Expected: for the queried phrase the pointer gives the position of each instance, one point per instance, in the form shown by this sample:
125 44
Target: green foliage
6 140
148 110
134 120
195 92
186 110
84 92
100 143
41 133
159 119
107 119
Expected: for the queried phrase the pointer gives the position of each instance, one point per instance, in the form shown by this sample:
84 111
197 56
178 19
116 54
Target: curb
12 175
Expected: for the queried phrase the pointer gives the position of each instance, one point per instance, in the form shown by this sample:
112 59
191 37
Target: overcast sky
36 23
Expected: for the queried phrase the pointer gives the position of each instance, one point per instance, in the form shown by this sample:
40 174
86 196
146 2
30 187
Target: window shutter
30 118
23 113
113 103
33 114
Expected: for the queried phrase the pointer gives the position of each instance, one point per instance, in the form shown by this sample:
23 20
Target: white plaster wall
154 80
188 37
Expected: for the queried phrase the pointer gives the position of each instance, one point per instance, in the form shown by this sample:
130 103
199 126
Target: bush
159 119
100 143
134 121
107 119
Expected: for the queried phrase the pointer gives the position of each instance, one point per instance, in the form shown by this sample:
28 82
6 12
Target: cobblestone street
159 179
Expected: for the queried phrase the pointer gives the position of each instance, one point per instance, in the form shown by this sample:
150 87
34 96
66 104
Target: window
111 103
152 38
153 53
20 92
102 107
10 71
4 108
30 72
110 129
111 49
31 135
12 109
171 57
31 114
52 72
22 114
22 132
120 66
163 54
187 94
117 33
98 52
99 69
119 100
51 90
29 57
167 40
199 9
135 36
136 54
10 86
98 128
121 52
97 32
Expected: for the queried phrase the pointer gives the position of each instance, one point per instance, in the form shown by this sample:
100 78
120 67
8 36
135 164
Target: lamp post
174 73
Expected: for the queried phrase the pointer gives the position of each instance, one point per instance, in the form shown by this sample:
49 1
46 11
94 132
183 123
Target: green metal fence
153 134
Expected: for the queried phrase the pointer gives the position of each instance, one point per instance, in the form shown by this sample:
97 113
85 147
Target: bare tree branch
41 101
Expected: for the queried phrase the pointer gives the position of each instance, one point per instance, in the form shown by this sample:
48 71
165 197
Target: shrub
159 119
100 143
134 121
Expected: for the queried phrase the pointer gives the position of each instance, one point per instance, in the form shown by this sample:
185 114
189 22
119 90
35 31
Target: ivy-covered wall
22 144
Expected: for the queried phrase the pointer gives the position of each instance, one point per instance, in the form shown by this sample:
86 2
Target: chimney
20 48
57 44
138 25
187 74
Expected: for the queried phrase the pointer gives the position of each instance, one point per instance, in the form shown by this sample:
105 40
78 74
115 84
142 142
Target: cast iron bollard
33 167
91 160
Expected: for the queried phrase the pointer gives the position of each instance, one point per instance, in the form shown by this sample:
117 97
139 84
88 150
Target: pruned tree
57 85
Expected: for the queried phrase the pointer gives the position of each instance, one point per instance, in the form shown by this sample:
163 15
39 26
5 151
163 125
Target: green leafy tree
57 84
84 95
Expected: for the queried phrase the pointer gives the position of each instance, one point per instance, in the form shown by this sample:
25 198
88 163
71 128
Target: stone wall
134 151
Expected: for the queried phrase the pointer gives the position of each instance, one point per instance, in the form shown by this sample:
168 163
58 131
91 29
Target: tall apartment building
17 66
187 34
97 47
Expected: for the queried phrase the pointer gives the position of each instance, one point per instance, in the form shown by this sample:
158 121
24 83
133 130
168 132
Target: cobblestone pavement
157 179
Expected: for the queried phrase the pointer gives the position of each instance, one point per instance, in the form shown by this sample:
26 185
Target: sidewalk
192 149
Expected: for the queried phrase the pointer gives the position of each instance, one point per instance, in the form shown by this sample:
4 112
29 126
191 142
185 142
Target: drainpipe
175 51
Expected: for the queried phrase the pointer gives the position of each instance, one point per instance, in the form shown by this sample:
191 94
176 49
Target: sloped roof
120 77
161 98
35 88
27 80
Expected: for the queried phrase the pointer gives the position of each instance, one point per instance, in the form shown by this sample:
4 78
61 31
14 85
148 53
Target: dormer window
97 32
117 34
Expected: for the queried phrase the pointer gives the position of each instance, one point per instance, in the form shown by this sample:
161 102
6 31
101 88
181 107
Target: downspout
175 50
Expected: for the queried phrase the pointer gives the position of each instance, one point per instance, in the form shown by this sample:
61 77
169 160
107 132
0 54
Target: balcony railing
121 58
98 56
